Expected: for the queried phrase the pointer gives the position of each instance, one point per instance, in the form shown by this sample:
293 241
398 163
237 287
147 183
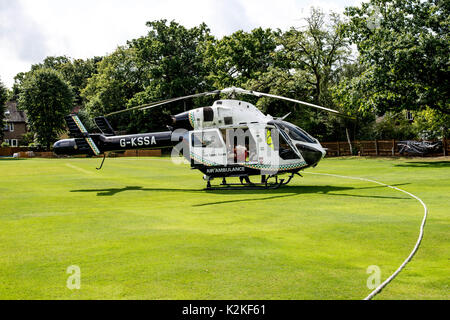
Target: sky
31 30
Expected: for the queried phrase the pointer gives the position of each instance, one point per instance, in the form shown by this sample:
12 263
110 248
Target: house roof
14 115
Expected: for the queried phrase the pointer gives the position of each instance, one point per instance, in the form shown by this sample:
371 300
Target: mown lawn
145 229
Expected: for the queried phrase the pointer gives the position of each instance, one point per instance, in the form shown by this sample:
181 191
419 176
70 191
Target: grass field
145 229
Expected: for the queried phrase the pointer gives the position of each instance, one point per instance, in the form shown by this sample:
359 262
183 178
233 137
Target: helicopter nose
65 147
311 155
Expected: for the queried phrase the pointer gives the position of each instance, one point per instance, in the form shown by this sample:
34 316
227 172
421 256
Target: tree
404 45
167 62
117 80
347 96
305 65
431 124
3 99
47 98
320 48
74 71
240 57
77 72
172 56
18 80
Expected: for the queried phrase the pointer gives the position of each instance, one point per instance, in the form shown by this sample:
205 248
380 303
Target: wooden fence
334 149
374 148
9 151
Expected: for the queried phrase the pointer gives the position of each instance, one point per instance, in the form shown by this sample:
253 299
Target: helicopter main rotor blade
160 103
232 91
261 94
133 108
166 101
163 102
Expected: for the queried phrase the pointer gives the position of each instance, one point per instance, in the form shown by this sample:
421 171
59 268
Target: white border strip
419 240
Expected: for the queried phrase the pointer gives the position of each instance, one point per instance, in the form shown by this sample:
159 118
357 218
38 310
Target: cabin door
208 147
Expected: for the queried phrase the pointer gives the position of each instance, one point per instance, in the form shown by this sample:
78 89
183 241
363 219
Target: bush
27 139
394 126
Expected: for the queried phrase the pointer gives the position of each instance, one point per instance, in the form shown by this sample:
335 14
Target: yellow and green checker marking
88 139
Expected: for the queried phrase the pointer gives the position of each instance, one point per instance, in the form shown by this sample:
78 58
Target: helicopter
231 138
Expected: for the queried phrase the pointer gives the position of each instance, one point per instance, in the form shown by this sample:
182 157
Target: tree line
401 62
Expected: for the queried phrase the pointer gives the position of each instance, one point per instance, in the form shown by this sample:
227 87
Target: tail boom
84 143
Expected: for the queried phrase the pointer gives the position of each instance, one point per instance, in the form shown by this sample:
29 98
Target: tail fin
78 131
76 128
104 126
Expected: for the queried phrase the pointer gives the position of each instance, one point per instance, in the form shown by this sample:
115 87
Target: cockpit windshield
294 132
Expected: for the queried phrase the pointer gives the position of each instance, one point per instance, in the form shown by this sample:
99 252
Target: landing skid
247 185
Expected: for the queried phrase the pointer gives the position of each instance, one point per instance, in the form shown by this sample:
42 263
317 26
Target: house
14 125
409 116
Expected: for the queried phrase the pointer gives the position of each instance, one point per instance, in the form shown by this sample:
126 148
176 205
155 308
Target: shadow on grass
286 191
114 191
298 190
425 164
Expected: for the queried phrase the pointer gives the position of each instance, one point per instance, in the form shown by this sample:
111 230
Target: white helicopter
231 138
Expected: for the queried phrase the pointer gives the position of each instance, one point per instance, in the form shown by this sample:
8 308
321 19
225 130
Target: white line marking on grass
419 240
77 168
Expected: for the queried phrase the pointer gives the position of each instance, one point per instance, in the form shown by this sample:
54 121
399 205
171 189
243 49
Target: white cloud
31 30
21 40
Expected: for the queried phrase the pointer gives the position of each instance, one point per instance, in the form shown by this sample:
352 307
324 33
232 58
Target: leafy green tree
77 72
18 80
167 62
404 45
320 49
306 65
74 71
288 83
51 62
47 98
117 80
172 57
87 121
431 124
240 57
347 97
27 139
3 99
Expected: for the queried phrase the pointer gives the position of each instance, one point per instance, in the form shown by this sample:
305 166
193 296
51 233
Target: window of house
11 127
13 143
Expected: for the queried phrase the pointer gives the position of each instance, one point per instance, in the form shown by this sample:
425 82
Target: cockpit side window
295 132
286 152
280 144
